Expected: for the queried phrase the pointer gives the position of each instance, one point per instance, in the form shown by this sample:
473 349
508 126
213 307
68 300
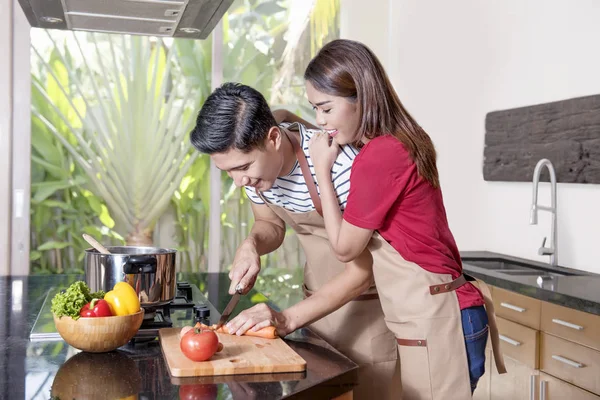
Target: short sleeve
251 193
380 176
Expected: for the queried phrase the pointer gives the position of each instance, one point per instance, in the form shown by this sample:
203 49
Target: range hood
192 19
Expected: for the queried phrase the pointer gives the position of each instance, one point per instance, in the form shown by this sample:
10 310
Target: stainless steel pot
150 270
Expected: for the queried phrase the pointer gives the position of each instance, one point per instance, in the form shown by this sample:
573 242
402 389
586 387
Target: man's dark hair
233 116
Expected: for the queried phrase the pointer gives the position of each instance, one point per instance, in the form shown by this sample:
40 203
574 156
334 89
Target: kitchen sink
516 268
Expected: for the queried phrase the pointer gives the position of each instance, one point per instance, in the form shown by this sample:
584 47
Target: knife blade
229 309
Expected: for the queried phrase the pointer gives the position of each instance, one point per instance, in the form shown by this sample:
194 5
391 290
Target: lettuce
69 302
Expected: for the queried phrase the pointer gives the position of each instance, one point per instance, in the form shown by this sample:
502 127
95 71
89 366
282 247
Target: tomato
198 392
199 345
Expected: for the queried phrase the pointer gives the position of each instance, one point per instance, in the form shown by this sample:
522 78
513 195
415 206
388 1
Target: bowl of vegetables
97 322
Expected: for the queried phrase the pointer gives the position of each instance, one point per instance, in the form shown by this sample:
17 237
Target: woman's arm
354 280
347 241
283 115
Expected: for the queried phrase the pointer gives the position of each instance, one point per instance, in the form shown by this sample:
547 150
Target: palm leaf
133 110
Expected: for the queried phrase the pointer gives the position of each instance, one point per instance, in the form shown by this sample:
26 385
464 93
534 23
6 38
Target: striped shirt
291 192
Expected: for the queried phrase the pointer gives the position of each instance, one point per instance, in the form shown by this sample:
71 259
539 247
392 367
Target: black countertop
578 289
30 369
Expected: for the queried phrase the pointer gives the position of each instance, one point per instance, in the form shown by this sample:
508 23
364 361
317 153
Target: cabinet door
483 386
552 388
519 383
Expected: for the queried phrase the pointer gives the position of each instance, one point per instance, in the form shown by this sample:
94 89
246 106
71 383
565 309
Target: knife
229 309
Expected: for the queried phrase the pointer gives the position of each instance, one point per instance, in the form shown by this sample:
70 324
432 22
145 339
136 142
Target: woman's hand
322 152
258 317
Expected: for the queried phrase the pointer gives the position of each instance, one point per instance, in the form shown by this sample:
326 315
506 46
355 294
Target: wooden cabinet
483 390
571 362
551 352
517 384
552 388
519 342
573 325
517 308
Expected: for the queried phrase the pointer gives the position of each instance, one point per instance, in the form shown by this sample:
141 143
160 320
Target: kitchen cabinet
552 388
484 385
517 384
572 325
551 352
570 362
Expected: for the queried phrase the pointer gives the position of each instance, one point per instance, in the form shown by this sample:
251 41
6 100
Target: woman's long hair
349 69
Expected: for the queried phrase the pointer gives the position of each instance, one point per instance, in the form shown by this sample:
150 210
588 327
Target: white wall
15 139
5 132
452 62
367 22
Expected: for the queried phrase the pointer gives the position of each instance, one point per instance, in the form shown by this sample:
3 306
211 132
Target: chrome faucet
551 251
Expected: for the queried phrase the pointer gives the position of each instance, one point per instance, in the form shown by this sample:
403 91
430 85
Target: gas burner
156 318
160 320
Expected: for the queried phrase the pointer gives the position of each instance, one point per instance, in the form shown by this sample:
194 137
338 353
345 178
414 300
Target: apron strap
368 295
310 183
494 335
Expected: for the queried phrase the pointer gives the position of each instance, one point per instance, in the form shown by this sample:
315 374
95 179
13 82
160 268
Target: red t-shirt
388 195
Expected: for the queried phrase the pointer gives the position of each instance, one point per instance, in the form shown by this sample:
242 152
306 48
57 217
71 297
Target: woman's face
336 115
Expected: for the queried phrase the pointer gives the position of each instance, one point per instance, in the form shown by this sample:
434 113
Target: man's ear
274 137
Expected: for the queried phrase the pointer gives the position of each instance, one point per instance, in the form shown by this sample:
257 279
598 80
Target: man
237 129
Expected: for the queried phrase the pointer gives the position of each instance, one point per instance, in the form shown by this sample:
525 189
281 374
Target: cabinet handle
572 363
543 390
567 324
511 307
532 387
509 340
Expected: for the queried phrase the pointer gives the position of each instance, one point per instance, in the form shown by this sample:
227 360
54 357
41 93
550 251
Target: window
110 121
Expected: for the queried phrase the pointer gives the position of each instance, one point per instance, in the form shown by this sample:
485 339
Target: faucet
551 251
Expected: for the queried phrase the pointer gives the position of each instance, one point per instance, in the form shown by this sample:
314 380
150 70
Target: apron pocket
414 370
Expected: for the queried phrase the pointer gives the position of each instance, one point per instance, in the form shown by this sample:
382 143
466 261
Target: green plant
133 111
61 206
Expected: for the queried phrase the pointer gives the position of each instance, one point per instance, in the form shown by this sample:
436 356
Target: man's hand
258 317
245 268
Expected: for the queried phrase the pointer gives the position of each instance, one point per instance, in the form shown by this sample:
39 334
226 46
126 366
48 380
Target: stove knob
201 312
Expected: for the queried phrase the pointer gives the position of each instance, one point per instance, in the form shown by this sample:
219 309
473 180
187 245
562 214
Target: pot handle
140 264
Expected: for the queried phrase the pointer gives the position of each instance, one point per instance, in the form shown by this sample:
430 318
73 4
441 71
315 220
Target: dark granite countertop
577 289
30 369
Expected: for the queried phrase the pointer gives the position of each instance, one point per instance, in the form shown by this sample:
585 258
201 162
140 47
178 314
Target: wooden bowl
99 335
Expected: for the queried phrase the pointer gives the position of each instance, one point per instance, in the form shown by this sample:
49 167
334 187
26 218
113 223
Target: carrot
268 333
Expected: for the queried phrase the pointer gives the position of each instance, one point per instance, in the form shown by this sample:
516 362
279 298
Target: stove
188 306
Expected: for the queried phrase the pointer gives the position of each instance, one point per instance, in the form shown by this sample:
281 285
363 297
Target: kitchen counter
30 369
578 292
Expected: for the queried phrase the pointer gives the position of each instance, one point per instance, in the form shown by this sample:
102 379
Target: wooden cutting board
240 355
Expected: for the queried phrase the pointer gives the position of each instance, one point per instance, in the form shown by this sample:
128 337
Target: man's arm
266 235
283 115
348 284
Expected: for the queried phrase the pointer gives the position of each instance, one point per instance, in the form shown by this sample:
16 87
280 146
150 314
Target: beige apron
357 329
422 309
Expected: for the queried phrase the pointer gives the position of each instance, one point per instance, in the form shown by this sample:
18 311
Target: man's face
258 168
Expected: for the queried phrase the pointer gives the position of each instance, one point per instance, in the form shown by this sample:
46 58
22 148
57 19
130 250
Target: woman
437 315
395 207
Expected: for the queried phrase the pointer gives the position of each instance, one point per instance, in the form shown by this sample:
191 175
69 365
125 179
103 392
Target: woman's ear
274 137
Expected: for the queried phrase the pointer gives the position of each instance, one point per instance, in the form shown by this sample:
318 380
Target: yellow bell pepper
122 299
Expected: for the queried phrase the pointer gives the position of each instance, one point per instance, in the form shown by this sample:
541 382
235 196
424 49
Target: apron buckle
448 287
